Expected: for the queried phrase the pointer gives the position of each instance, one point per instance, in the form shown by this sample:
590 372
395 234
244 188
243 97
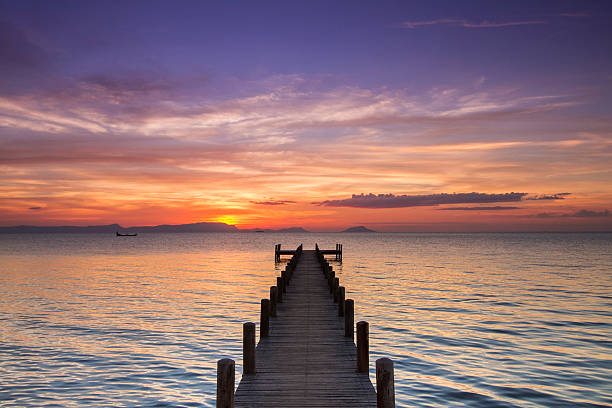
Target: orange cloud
101 151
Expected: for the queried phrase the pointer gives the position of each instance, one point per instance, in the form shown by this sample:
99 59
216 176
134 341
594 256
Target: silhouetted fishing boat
126 235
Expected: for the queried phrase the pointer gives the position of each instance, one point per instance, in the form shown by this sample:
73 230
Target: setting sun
227 219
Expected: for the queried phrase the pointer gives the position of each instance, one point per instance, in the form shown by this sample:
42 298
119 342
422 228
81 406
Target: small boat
126 235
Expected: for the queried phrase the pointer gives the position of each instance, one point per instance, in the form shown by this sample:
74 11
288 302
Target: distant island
360 228
112 228
195 227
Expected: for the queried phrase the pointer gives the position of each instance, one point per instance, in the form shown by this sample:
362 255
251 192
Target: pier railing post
273 291
335 289
341 295
279 289
363 347
285 280
349 318
248 348
225 383
385 387
264 326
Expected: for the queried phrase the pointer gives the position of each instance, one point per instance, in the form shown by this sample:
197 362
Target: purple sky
218 108
555 45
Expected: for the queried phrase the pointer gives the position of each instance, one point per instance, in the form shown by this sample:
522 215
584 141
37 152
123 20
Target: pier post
279 289
264 326
363 347
341 295
248 348
225 383
273 291
385 387
349 318
285 280
335 289
330 281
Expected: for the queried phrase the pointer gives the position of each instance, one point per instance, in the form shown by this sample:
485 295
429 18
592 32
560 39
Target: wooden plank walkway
306 361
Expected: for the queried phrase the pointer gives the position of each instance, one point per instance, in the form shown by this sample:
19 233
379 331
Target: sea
475 319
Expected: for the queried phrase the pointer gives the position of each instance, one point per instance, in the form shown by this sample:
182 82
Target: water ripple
479 320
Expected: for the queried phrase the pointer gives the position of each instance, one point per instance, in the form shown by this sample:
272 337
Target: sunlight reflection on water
476 319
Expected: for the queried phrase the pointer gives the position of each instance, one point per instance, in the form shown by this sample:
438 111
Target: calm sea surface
483 320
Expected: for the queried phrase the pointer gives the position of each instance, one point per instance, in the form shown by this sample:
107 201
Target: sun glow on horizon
227 219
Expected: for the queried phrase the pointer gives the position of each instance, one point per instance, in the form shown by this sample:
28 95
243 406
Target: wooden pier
336 252
306 355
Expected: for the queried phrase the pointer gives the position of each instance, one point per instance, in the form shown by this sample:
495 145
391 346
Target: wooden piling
273 291
264 326
285 280
279 289
349 318
341 295
330 281
225 383
248 348
335 289
363 347
385 387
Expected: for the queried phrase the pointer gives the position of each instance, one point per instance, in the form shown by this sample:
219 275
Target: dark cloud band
399 201
273 202
577 214
493 208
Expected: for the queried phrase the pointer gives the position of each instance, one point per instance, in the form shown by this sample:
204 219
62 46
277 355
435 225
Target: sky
395 115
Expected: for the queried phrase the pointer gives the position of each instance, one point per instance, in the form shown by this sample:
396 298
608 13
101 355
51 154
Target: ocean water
480 320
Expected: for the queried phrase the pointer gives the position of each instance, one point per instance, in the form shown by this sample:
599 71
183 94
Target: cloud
558 196
25 65
489 24
274 202
128 83
494 208
35 208
400 201
416 24
17 51
141 144
577 214
576 14
467 24
589 213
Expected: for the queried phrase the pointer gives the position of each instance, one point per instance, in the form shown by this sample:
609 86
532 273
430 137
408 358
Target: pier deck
306 361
